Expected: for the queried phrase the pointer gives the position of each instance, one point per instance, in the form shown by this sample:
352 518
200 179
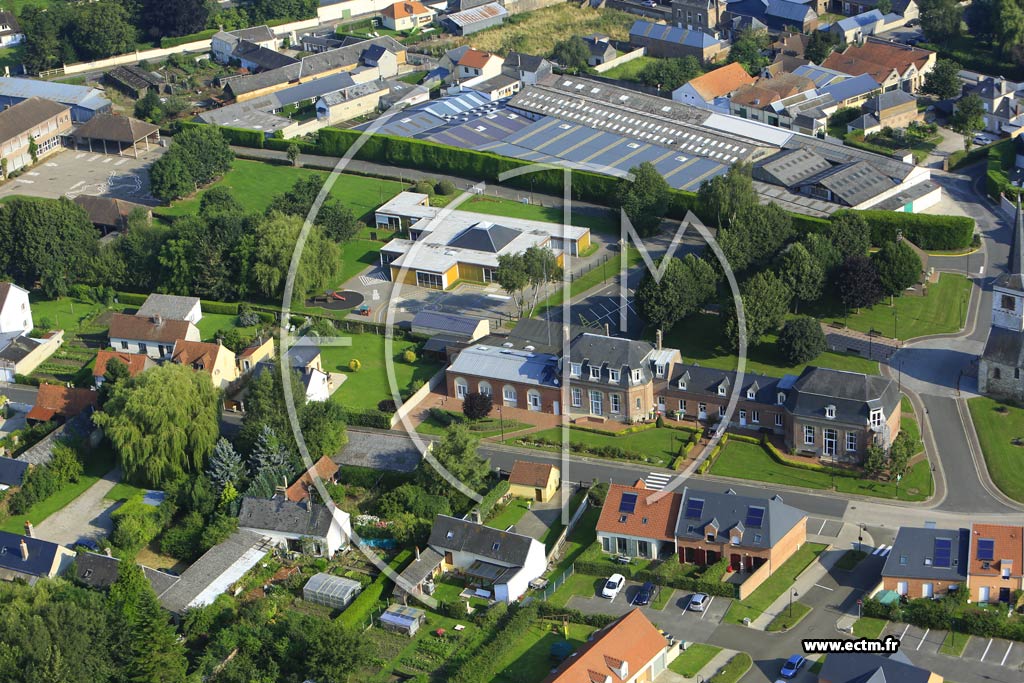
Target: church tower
1000 366
1008 289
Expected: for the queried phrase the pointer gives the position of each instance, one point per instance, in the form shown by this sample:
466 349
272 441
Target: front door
702 411
554 408
538 494
984 592
1004 595
743 418
830 442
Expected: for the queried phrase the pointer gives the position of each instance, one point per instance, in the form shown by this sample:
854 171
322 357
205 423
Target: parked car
86 543
698 602
792 666
646 594
612 586
982 139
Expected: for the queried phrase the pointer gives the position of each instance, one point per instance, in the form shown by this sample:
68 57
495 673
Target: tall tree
686 285
265 406
572 53
940 19
276 237
645 199
820 46
173 17
968 118
102 29
154 653
169 179
514 278
850 234
542 269
801 340
802 273
116 372
898 266
943 81
765 304
1009 29
457 453
724 197
268 453
204 151
748 49
337 653
857 283
163 423
669 74
225 465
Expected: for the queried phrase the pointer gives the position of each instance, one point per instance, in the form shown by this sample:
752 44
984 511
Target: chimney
24 550
28 529
607 330
158 320
417 552
107 551
657 337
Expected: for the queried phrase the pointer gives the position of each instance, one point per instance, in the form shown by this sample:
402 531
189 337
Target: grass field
851 559
484 427
510 514
578 584
254 184
943 310
789 618
530 660
775 585
736 669
211 323
996 432
582 536
868 627
693 659
369 385
123 491
630 70
750 461
660 446
700 338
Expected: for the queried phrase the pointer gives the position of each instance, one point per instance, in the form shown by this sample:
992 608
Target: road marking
707 607
907 628
107 160
79 156
983 654
499 297
32 173
23 180
1003 663
50 164
823 523
123 161
926 632
94 157
882 550
825 587
656 480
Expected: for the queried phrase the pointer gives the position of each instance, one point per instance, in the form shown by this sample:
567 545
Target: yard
212 323
750 461
630 70
369 385
84 333
530 661
654 445
510 514
868 627
776 584
484 427
693 659
1000 429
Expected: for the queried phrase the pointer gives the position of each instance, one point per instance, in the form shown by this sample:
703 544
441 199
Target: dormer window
638 375
613 375
751 394
721 390
876 418
659 370
711 538
830 412
595 373
682 384
575 369
780 398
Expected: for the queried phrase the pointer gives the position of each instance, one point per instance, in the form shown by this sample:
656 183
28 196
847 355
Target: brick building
927 562
994 569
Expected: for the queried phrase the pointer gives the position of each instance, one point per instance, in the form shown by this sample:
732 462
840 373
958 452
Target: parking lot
988 650
817 526
70 173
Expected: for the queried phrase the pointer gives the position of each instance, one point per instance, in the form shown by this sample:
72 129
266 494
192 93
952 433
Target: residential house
30 559
713 89
172 307
702 15
100 572
893 109
782 14
136 363
475 19
521 378
996 563
1003 103
862 667
406 15
253 48
304 356
477 63
77 428
638 522
892 65
526 68
22 355
849 92
58 403
15 312
928 562
790 44
662 40
629 650
1001 363
306 527
10 30
908 9
83 100
32 121
754 101
259 351
151 336
533 480
351 102
12 472
214 359
601 49
325 469
110 214
852 29
316 44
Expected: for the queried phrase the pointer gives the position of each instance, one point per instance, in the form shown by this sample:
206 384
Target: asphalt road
19 393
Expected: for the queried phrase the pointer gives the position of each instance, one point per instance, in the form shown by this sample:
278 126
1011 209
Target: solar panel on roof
694 508
943 552
755 517
628 503
986 549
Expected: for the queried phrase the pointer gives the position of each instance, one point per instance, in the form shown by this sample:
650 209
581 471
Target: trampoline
337 301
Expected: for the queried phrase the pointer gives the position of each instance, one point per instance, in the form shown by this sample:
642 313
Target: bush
547 610
488 502
131 298
359 610
424 187
445 187
409 356
597 493
925 231
367 418
248 317
168 41
220 307
476 405
801 340
482 666
387 405
354 365
136 524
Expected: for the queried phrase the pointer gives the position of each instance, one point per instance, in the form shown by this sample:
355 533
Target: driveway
87 516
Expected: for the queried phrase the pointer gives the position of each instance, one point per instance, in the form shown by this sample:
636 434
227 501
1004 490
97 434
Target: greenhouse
332 591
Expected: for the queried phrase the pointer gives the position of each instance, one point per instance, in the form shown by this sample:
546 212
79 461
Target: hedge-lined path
87 516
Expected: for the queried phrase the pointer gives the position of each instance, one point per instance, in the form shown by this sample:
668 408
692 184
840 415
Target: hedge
305 146
131 298
370 417
925 231
775 455
219 307
236 136
641 427
1001 158
167 41
492 498
960 158
356 614
483 665
546 610
936 614
715 452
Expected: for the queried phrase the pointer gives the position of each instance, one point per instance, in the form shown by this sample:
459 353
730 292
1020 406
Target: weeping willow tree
163 423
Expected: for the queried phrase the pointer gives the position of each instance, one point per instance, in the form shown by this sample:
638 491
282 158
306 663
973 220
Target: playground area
343 300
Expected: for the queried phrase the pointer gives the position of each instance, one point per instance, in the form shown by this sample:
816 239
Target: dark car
792 666
86 543
646 594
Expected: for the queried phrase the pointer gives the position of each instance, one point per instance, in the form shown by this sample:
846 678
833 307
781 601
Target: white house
10 31
406 15
15 312
304 356
223 43
171 307
153 337
305 526
713 89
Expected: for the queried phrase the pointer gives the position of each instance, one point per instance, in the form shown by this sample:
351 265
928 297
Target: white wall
133 346
16 316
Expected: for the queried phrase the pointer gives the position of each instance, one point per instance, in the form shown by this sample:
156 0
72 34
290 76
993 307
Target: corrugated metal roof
482 13
78 95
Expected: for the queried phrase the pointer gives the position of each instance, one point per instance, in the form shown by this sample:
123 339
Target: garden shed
403 619
333 591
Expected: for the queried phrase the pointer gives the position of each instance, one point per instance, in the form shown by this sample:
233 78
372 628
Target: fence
433 384
556 548
621 59
557 582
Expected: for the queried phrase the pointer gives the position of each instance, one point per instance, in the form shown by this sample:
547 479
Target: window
778 419
596 402
606 544
461 388
711 538
615 403
809 435
533 398
142 347
750 394
702 409
851 441
721 390
509 394
659 370
682 383
595 373
682 406
780 398
577 397
575 369
485 388
429 280
638 375
613 376
639 403
721 411
643 548
876 417
1016 373
830 436
997 373
621 543
830 412
1008 303
124 345
754 417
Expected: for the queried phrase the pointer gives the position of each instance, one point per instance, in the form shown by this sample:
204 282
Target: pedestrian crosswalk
657 480
882 550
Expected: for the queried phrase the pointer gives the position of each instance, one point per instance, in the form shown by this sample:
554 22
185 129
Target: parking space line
1003 663
818 585
107 160
123 161
707 608
905 629
823 523
926 632
983 654
79 156
94 157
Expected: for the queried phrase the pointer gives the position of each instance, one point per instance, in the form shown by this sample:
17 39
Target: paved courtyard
70 173
87 516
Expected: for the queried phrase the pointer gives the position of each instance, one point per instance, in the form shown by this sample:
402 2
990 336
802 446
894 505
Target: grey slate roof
707 380
452 534
890 99
419 569
12 471
789 167
610 353
862 667
851 87
303 352
852 183
509 365
913 554
277 514
792 11
257 34
521 61
168 306
1004 347
863 122
487 237
42 452
671 34
19 348
544 336
99 571
215 563
1014 274
854 395
40 554
730 511
449 323
263 57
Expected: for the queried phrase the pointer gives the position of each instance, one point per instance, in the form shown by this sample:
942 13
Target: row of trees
198 155
999 23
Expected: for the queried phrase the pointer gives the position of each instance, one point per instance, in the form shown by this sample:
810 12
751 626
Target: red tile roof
475 59
768 90
136 362
653 517
877 59
721 81
1009 545
617 653
54 400
400 10
534 474
196 353
299 491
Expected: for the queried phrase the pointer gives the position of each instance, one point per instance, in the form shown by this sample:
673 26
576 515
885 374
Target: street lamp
860 537
501 423
792 595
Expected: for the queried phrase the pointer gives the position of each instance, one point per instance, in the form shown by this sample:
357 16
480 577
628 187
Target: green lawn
597 219
736 669
659 446
211 323
254 184
750 461
510 514
583 535
78 319
578 584
996 432
868 627
910 426
11 56
630 71
693 659
775 585
530 661
954 644
700 339
662 598
369 385
356 255
123 491
943 310
851 559
906 407
484 427
790 618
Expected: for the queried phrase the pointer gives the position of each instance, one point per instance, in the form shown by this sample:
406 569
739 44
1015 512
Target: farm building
331 591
